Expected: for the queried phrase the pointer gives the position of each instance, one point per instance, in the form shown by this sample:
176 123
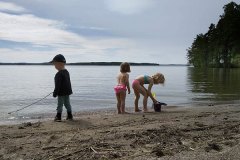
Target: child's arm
58 80
150 93
127 84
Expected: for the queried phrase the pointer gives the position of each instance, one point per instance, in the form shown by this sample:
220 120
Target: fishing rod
31 104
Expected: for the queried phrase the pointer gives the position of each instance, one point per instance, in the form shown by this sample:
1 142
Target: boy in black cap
63 88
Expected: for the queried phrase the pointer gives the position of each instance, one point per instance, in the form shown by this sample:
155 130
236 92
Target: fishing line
30 104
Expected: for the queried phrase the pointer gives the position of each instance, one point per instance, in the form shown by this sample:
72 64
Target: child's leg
137 96
118 103
145 98
68 107
67 104
122 98
58 117
60 104
143 91
135 86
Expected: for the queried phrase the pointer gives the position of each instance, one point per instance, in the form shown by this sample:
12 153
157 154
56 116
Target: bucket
157 106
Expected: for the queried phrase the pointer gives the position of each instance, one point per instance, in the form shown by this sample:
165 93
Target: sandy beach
203 132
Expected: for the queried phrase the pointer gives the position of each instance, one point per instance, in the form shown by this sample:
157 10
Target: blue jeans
64 100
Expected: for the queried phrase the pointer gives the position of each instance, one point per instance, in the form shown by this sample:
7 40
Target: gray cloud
11 7
113 30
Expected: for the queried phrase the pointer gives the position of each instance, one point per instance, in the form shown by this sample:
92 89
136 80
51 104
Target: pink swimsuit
120 87
135 82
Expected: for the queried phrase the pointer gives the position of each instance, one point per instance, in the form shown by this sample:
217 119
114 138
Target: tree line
220 46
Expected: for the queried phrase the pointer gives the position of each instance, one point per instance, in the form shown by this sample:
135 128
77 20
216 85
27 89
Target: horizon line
94 63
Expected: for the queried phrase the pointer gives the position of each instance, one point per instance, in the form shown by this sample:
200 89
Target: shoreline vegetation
203 132
97 64
219 46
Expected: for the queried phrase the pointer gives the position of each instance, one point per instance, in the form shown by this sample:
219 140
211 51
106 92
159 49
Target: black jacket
62 84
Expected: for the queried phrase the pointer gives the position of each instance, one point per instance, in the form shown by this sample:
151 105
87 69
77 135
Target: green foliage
220 46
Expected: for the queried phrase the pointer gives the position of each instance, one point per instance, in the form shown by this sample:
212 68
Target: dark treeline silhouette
87 63
220 46
113 63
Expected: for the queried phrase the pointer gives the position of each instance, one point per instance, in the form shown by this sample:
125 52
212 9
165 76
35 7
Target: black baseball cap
59 58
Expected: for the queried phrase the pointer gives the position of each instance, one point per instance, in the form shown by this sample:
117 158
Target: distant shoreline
98 64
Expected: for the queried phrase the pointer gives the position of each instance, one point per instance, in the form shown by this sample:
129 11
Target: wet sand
203 132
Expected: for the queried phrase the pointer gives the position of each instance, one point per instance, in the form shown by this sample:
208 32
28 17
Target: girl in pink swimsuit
138 87
122 86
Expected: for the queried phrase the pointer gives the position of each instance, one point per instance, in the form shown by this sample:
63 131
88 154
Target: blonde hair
158 78
125 67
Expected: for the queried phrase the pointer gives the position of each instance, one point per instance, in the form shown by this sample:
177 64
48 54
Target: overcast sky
157 31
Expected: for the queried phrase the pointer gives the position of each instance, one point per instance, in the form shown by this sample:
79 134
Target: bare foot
138 110
145 110
125 112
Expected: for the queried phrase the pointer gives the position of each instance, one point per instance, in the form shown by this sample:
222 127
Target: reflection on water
214 84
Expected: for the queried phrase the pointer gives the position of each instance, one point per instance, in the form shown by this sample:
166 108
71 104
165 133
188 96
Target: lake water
93 87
